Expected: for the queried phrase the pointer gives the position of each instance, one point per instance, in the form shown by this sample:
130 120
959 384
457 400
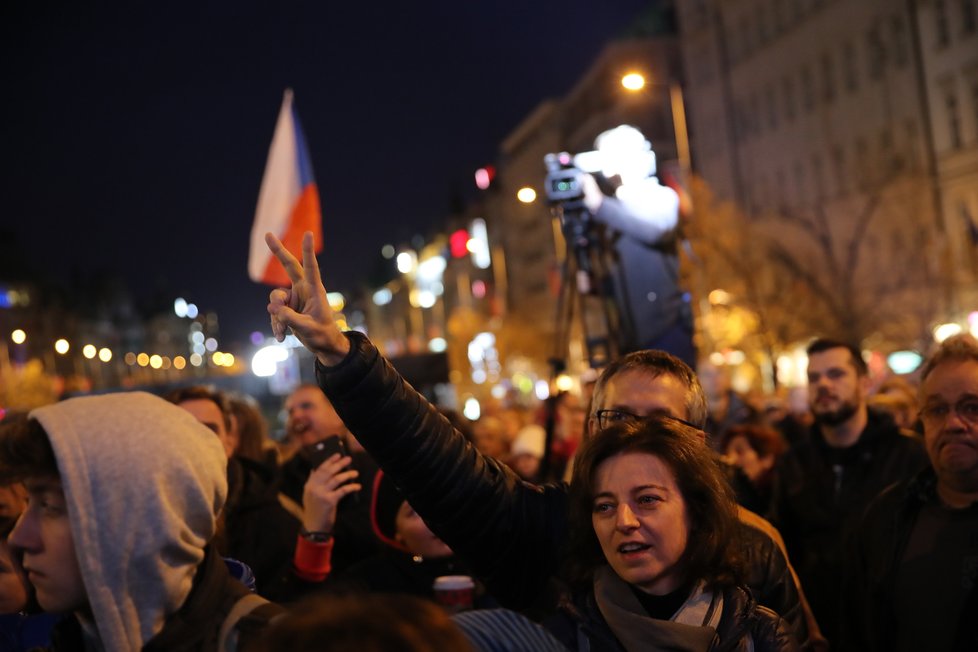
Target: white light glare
180 307
437 344
266 359
426 298
904 362
405 262
472 410
542 390
383 296
480 248
945 331
192 311
432 268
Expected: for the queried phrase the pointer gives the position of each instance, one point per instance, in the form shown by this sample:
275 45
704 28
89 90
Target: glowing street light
89 351
18 336
633 81
526 195
62 346
104 354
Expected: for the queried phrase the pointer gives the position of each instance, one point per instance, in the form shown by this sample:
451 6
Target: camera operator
641 221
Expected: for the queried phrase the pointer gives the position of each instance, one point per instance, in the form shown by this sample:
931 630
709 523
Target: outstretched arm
509 532
304 307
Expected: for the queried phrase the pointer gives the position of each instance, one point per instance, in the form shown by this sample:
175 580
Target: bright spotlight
266 359
633 81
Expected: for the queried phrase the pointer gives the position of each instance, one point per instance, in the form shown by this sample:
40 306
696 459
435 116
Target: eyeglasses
607 418
937 414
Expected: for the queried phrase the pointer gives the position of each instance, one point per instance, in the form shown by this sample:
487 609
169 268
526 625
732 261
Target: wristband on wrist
315 537
312 559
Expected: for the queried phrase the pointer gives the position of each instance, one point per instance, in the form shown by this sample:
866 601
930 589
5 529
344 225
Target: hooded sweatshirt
144 482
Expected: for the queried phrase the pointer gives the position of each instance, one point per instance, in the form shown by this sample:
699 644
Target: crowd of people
660 510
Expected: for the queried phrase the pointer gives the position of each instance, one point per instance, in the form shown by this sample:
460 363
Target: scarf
691 629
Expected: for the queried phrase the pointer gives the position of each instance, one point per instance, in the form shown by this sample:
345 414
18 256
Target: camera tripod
584 291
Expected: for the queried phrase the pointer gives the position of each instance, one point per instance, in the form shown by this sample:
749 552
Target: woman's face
740 452
639 517
413 534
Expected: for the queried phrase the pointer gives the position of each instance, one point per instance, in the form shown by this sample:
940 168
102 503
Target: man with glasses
914 574
823 486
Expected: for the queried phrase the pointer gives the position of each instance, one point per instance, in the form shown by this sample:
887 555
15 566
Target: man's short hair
25 450
656 363
823 344
959 348
205 393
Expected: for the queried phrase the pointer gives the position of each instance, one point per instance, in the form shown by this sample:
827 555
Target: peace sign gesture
304 307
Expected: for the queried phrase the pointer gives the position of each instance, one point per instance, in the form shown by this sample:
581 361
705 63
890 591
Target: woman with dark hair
754 449
653 534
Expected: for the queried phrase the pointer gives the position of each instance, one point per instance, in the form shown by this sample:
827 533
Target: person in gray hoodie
124 494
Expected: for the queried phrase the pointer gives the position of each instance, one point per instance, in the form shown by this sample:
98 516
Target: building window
875 54
940 23
850 66
746 36
818 175
828 78
807 89
772 107
839 172
800 196
974 101
777 16
889 162
969 19
912 149
755 112
898 31
788 88
953 118
780 183
862 163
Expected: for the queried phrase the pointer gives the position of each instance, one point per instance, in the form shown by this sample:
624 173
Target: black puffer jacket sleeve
771 582
509 532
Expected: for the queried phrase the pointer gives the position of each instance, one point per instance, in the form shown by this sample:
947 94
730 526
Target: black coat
742 621
195 627
820 494
257 529
511 533
869 623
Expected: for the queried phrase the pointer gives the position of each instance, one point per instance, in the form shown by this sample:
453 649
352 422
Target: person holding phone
411 559
313 425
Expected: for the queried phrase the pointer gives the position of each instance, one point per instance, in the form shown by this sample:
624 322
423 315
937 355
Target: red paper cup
454 592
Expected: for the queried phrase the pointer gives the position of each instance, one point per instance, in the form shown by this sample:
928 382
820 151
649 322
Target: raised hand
323 492
303 307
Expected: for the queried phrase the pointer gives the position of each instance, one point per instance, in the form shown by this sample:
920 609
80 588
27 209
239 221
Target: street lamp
634 82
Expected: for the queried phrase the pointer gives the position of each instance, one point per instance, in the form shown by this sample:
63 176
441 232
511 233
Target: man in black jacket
913 580
511 533
256 530
823 486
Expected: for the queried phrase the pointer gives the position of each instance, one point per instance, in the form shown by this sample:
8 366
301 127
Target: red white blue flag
288 202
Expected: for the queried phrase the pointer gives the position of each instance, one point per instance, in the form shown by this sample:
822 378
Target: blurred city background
828 150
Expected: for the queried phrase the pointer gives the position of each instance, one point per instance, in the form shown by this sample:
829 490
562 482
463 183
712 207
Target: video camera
563 182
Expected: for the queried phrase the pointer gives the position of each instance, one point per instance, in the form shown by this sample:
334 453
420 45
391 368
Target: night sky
133 139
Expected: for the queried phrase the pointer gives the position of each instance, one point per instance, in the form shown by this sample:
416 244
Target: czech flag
288 202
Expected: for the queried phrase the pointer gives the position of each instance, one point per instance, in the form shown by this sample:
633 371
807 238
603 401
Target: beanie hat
384 505
530 440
